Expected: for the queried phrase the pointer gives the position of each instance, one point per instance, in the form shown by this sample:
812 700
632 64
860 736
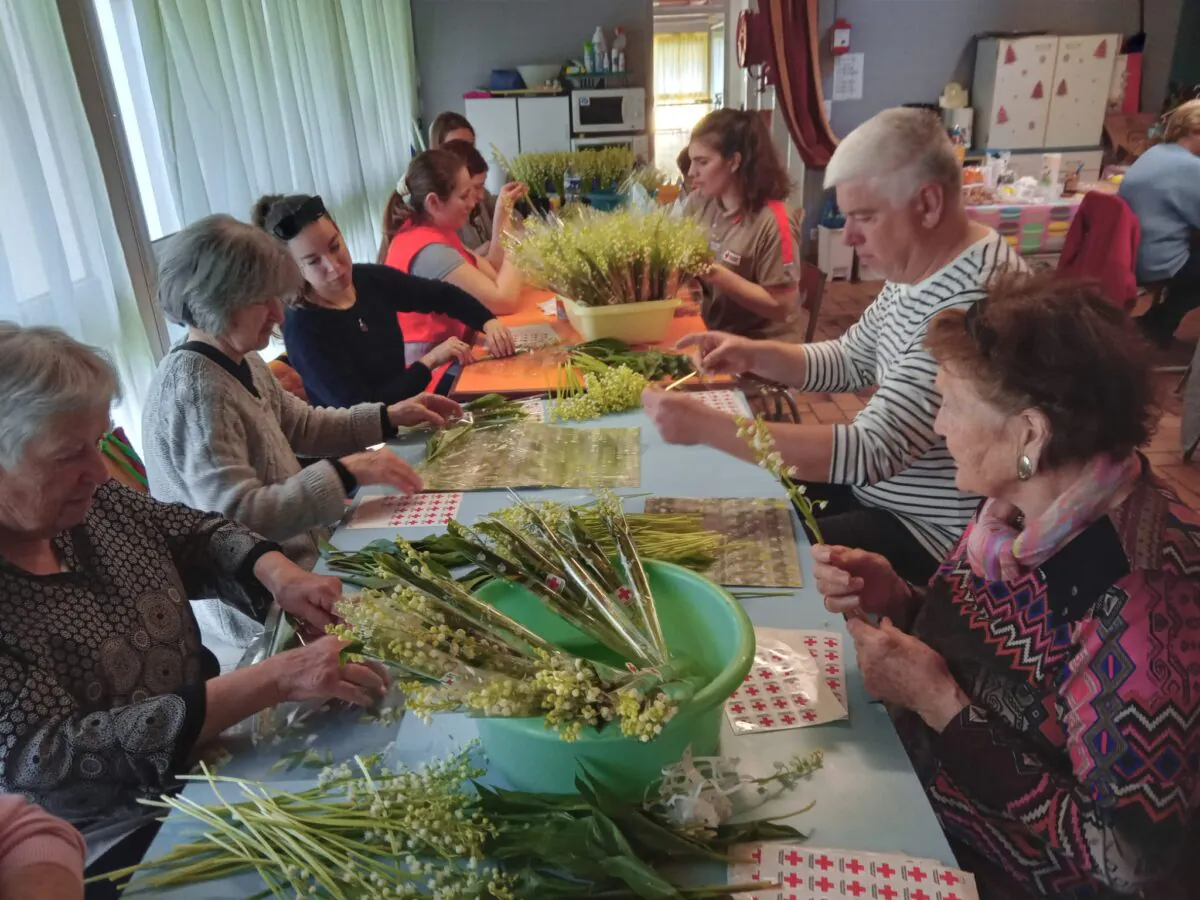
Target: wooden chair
812 292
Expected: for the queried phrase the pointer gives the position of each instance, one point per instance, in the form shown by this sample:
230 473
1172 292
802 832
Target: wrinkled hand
720 352
853 581
499 340
899 669
315 672
679 418
450 350
310 598
383 467
431 409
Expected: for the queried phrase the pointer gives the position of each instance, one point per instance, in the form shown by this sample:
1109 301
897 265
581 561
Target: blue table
867 795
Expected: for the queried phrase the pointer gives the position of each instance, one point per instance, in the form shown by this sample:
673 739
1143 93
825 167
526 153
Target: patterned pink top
1076 770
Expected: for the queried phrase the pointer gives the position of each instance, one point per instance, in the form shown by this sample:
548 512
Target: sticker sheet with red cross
398 511
807 873
726 401
795 682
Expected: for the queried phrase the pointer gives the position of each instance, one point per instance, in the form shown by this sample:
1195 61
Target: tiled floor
844 303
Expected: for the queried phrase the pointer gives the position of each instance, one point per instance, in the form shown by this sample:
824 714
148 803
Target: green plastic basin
702 624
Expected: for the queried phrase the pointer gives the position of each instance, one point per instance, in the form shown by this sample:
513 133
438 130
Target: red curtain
794 69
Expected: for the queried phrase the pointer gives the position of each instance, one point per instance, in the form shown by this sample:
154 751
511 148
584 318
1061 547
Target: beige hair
898 151
1183 121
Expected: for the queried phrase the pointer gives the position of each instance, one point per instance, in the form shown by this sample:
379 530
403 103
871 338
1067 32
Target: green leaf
760 830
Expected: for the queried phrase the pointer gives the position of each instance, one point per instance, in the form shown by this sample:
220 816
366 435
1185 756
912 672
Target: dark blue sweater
356 355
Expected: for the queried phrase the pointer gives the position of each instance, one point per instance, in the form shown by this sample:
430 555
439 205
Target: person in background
1163 189
887 476
41 857
343 334
221 434
450 128
1046 682
488 218
106 691
737 190
420 236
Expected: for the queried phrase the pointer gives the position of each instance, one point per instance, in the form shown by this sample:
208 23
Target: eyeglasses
296 221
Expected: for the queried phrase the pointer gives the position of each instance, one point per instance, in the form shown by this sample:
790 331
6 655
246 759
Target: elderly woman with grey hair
887 478
106 691
221 434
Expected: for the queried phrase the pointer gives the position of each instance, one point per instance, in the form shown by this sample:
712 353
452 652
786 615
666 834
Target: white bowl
536 76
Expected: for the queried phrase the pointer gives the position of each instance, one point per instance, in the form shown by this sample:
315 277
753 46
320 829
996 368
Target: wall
1186 67
914 47
459 42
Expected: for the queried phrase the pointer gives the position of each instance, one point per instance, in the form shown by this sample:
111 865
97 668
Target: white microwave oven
638 143
608 110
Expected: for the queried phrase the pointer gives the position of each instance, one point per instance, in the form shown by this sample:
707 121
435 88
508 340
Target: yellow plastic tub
633 323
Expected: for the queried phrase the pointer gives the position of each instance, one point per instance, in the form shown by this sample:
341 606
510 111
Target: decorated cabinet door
1013 86
1082 77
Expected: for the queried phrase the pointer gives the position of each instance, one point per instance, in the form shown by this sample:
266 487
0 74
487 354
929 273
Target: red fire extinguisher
841 37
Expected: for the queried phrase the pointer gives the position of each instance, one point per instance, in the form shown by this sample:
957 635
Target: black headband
298 219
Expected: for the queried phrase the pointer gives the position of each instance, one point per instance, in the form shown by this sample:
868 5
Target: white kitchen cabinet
544 124
515 125
1014 81
1082 77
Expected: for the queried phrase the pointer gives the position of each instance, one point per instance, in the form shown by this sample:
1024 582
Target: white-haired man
887 477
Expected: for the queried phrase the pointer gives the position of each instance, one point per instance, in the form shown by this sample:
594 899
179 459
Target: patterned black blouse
101 667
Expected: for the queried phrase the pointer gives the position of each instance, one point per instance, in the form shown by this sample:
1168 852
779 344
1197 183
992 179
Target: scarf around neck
1000 550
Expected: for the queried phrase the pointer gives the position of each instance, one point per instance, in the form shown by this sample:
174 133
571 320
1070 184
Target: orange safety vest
421 328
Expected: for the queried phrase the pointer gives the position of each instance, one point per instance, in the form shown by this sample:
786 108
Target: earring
1024 467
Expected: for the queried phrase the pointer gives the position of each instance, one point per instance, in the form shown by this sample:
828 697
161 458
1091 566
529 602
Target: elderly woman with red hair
1046 682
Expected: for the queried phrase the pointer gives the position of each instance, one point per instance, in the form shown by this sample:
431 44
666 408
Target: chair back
812 291
1102 245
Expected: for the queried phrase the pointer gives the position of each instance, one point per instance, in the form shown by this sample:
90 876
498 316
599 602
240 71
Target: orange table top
528 374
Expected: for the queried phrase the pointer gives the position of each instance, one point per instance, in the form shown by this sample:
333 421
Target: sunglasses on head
300 218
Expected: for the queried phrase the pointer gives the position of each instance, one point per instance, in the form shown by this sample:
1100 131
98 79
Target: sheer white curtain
60 259
681 68
246 97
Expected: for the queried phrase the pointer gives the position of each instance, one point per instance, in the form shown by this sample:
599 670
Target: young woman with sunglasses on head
421 226
345 338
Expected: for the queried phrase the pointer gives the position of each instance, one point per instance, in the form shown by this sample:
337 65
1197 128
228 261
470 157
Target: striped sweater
889 453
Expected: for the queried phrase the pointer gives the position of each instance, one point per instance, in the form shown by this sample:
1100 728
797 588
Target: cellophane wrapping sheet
533 455
760 542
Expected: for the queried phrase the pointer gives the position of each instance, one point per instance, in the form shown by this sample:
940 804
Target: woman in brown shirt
739 188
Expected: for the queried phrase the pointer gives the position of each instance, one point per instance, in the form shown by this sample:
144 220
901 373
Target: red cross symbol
812 641
831 655
775 657
855 866
766 673
951 896
793 880
824 884
824 862
759 705
887 892
757 855
833 683
809 715
950 878
752 691
886 870
799 699
916 874
788 719
855 888
748 678
919 894
766 722
831 642
831 669
781 703
773 688
736 708
793 858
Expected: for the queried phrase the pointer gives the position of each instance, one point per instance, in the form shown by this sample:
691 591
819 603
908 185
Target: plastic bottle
621 63
589 58
600 47
571 186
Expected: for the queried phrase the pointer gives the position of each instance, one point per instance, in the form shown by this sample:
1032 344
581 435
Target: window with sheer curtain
681 73
60 257
225 100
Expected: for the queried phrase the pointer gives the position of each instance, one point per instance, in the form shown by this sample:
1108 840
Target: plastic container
701 622
600 49
634 323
